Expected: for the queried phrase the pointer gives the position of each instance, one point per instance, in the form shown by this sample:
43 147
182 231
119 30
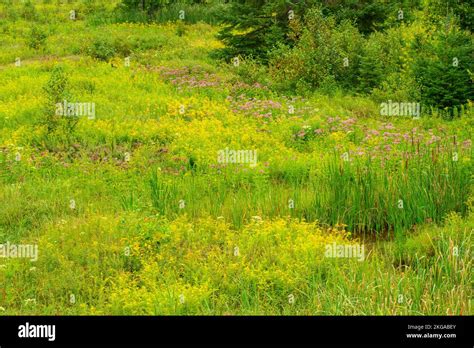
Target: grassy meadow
133 213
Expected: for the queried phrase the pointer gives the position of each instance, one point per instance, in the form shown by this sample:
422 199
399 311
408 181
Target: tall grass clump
369 195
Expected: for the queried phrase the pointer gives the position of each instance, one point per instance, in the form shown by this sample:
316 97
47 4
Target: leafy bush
418 62
28 12
251 71
102 48
437 10
326 54
255 27
380 59
181 29
149 7
56 91
443 69
166 10
366 14
397 86
36 38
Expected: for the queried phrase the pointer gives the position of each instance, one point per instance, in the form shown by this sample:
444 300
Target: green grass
373 196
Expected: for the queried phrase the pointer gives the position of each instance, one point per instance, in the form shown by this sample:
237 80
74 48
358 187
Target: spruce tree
255 27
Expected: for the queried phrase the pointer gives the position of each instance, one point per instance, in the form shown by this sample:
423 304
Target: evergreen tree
148 6
254 27
443 69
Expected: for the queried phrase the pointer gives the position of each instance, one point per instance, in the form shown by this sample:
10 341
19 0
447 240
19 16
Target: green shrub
251 71
326 55
28 12
102 48
255 27
397 86
56 91
181 29
436 11
442 69
162 11
36 38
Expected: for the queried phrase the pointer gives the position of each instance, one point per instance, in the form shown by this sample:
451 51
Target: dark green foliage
380 58
463 10
255 27
29 11
102 48
56 91
36 38
168 10
325 55
148 6
358 46
443 69
371 72
366 14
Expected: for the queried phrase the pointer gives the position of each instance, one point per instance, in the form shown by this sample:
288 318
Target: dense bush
254 27
148 6
102 48
325 53
190 11
438 10
391 49
36 38
106 46
443 69
28 11
56 91
366 14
